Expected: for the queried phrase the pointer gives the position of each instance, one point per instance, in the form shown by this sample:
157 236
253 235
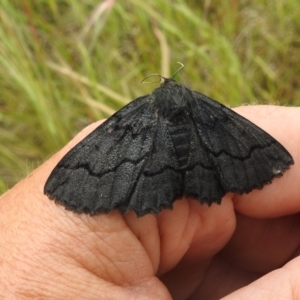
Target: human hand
191 252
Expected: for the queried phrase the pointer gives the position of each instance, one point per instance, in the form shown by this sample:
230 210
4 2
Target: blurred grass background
65 64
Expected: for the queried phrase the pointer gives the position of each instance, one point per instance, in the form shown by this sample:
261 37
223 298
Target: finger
188 249
229 282
41 242
282 196
51 253
262 245
283 283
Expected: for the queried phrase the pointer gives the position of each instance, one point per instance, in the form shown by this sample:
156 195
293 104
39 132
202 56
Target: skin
245 248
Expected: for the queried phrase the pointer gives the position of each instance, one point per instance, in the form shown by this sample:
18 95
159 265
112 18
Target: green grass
65 64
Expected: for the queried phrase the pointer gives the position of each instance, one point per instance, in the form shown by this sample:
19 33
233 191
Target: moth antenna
160 78
180 68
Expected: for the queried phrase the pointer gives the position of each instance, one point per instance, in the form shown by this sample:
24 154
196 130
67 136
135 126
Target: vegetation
65 64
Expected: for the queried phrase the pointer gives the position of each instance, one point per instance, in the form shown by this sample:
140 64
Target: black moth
172 143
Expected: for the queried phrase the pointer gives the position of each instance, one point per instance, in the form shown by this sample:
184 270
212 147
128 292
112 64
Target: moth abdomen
181 139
